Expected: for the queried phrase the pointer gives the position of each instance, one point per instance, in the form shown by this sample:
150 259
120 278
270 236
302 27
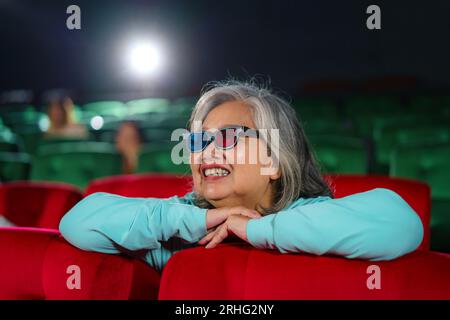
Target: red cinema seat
238 271
39 264
153 185
415 193
37 204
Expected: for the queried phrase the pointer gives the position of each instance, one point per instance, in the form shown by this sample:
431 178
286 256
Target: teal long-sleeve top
374 225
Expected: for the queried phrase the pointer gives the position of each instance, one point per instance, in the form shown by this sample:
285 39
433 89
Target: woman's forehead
234 113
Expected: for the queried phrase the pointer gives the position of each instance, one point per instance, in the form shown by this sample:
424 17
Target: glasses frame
212 136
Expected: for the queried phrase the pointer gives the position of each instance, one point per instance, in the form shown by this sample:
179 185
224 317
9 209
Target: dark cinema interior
89 98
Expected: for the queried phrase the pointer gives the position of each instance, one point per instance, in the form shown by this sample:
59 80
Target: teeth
216 172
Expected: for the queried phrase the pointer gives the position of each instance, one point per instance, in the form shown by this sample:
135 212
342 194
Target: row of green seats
338 154
429 162
419 134
368 112
425 104
365 114
25 118
29 137
10 142
75 162
14 166
363 111
138 107
78 163
163 158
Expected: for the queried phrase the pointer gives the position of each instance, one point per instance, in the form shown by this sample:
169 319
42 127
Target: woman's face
57 114
244 185
127 139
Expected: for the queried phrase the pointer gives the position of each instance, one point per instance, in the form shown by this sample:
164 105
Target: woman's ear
272 169
276 174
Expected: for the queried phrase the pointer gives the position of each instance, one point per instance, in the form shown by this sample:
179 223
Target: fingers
207 238
220 235
215 217
245 212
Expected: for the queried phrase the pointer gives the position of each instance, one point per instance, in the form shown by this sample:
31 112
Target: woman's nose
211 154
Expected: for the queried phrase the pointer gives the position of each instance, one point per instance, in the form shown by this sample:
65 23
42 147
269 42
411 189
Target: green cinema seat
157 135
75 162
326 126
320 116
8 109
183 106
149 105
14 166
111 108
420 134
429 163
31 138
314 105
10 142
427 105
340 154
22 121
364 111
158 159
8 146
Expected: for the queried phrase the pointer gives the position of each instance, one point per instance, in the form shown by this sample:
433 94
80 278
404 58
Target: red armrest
238 271
34 265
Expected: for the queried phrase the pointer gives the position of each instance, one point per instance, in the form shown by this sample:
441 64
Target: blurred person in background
62 123
128 142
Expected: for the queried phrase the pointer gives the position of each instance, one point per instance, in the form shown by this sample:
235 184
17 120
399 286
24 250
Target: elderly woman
288 207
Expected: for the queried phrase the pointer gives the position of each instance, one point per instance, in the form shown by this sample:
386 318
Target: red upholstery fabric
37 204
34 266
143 185
238 271
416 194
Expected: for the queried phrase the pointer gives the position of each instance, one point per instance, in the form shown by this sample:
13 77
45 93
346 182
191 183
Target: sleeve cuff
190 220
198 223
260 232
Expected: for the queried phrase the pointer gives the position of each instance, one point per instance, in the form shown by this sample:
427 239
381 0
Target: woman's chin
216 195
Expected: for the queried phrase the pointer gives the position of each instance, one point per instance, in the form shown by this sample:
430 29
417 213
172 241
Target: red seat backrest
415 193
239 271
34 265
37 204
143 185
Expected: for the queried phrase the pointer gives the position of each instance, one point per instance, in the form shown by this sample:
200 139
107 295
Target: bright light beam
144 59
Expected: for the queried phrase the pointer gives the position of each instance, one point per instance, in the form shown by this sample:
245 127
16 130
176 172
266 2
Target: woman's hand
215 217
235 224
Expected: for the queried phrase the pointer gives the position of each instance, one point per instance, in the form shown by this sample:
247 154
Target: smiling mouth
215 173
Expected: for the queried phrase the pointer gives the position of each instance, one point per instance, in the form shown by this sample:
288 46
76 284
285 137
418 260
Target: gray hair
300 175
